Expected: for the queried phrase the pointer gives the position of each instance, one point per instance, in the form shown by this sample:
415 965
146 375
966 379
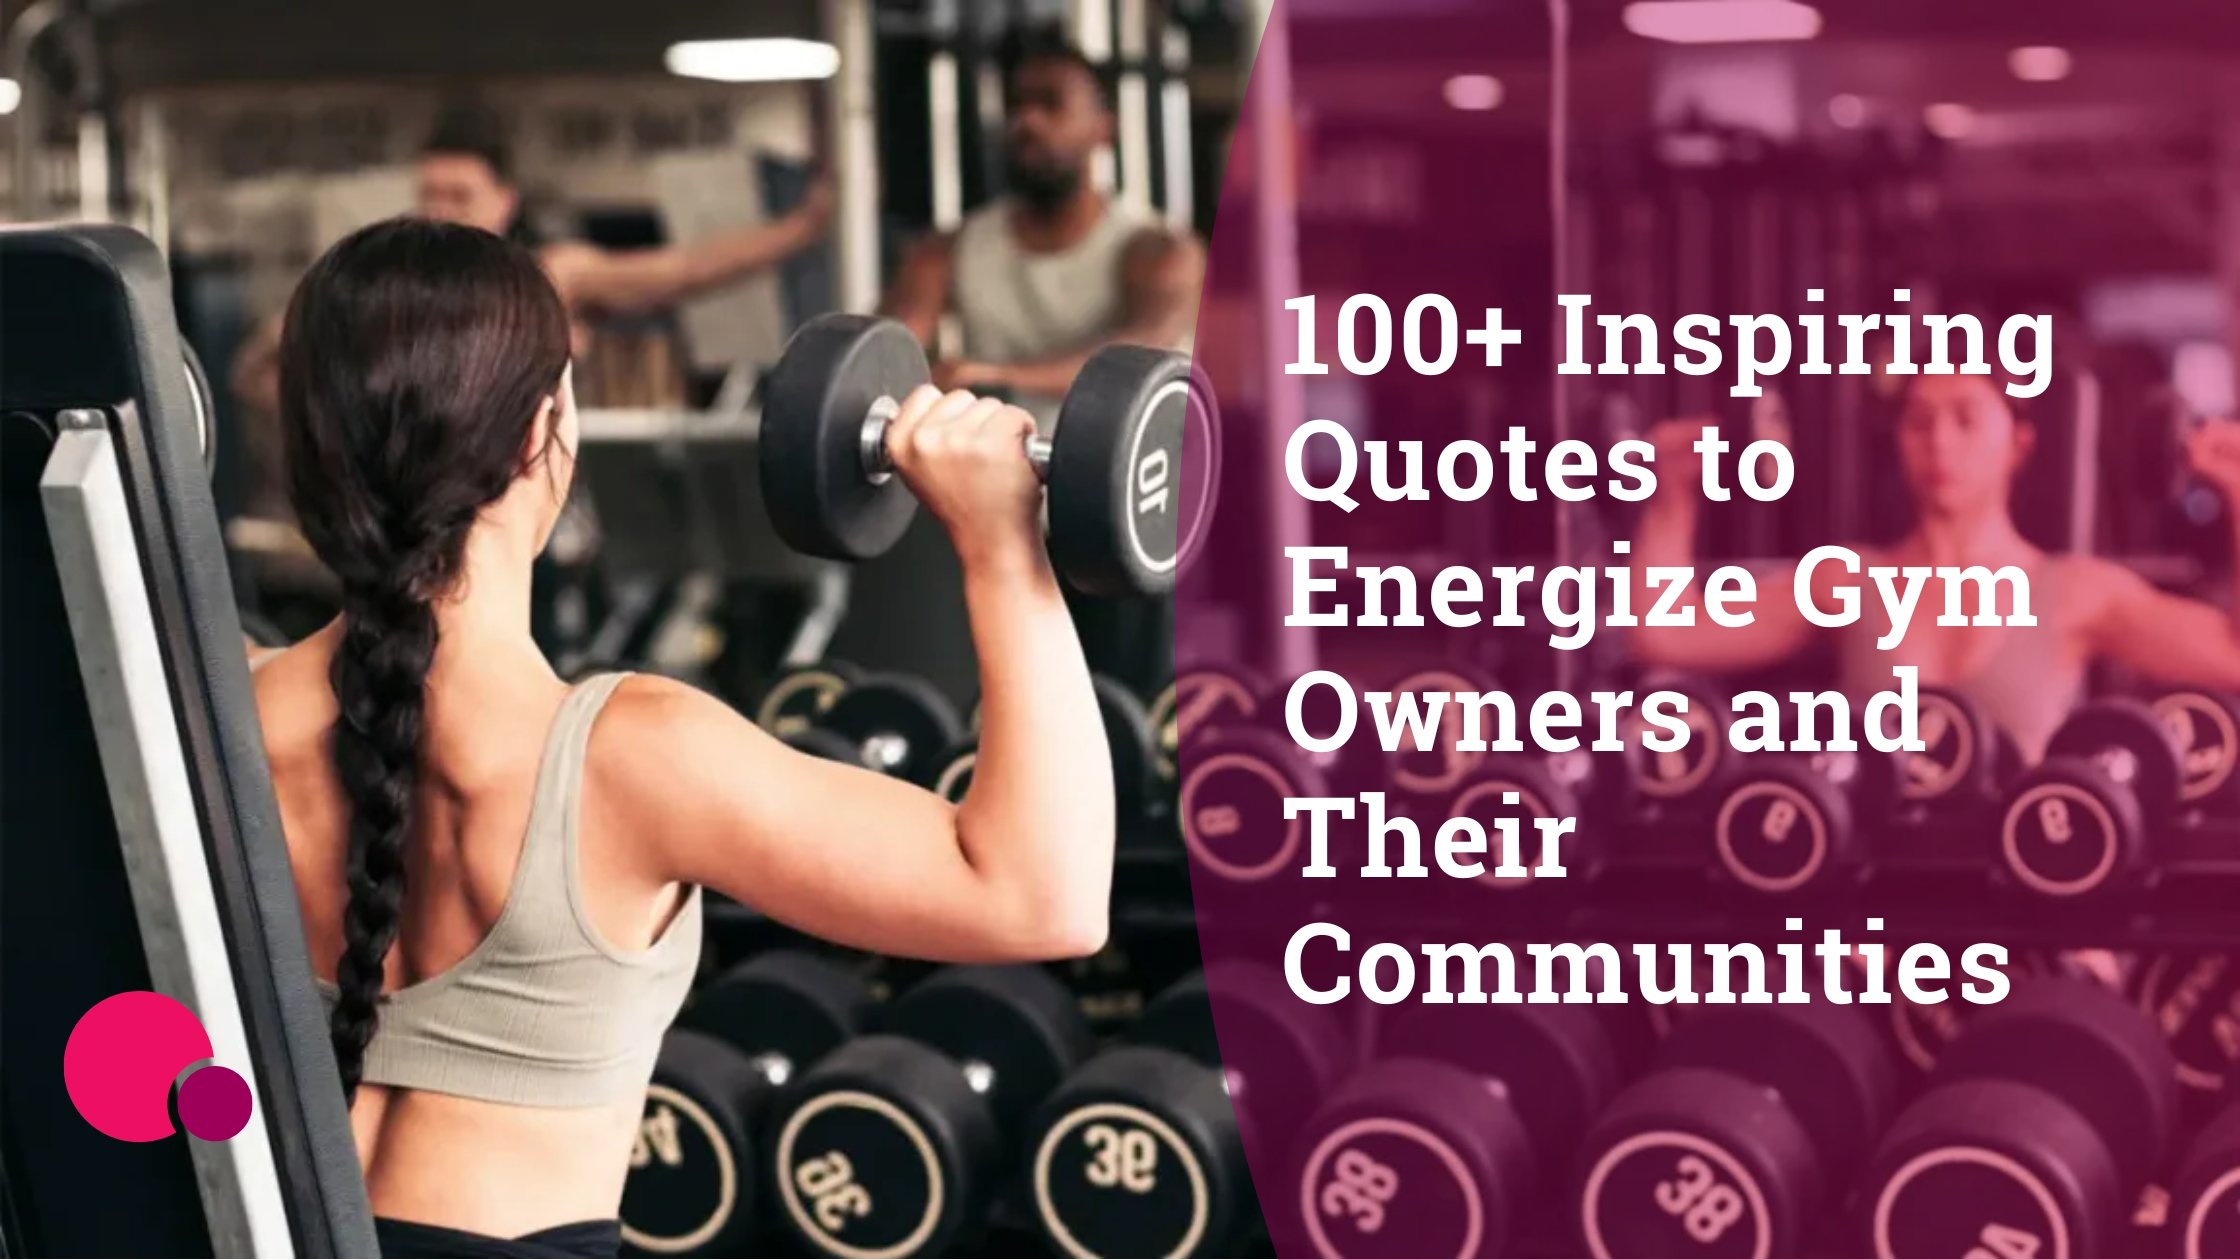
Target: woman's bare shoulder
295 700
657 735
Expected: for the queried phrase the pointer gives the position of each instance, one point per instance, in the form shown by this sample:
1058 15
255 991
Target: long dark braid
414 363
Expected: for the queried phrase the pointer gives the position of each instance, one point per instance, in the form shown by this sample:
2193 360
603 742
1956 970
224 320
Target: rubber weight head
2081 1042
1127 735
789 1004
1115 478
1483 797
1441 768
1015 1030
814 404
1991 1168
954 778
799 697
2129 740
1230 805
1201 699
2205 1198
1959 758
2071 830
1784 829
1266 1033
900 724
2194 999
1824 1060
883 1149
1694 770
818 742
1360 764
2206 727
1916 1034
1696 1163
1138 1154
1557 1063
1413 1157
693 1169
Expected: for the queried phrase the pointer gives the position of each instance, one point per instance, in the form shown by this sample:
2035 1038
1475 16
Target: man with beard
1044 276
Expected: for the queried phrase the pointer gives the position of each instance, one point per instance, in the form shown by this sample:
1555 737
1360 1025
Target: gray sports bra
544 1012
2028 686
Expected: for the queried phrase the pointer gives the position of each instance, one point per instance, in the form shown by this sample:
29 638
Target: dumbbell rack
1932 879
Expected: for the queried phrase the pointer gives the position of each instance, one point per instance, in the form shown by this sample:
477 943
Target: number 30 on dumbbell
1124 509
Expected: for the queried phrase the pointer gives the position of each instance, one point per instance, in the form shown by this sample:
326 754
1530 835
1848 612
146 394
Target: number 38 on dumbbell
1124 509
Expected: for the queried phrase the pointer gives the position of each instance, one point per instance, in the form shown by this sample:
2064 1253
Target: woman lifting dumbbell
1961 441
503 870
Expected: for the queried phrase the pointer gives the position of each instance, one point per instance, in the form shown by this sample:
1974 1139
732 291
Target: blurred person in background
1054 270
1961 441
465 175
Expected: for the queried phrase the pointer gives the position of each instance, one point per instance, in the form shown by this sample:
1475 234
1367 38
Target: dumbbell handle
878 461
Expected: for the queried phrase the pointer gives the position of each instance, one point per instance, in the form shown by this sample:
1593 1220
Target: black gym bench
140 845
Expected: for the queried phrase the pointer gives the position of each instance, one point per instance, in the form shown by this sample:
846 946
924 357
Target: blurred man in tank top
1045 275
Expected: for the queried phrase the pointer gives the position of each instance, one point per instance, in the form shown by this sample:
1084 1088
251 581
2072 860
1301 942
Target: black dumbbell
894 1143
954 777
1691 775
1141 1152
1508 792
1917 1033
1229 807
2204 1220
1436 772
897 724
1965 761
800 695
2194 999
695 1173
2206 728
1440 1149
1798 824
1201 698
1741 1139
2084 821
1122 514
2041 1121
1128 736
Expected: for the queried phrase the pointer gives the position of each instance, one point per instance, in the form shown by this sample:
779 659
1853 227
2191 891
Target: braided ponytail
414 362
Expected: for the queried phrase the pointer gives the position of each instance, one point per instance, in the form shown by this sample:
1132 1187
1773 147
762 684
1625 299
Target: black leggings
401 1240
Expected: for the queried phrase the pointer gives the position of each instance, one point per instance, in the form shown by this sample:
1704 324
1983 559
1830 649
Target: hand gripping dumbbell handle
878 461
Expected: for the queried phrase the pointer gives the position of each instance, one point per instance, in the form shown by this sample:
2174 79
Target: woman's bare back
489 1167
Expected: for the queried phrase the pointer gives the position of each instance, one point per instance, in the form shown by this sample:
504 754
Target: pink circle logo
124 1056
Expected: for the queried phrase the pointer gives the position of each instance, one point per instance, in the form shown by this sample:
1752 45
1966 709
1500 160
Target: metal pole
855 156
1559 212
2084 463
154 144
1134 101
944 144
93 168
1092 33
1174 122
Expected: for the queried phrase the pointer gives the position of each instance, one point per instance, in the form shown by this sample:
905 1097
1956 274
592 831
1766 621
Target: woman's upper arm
2168 638
838 852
